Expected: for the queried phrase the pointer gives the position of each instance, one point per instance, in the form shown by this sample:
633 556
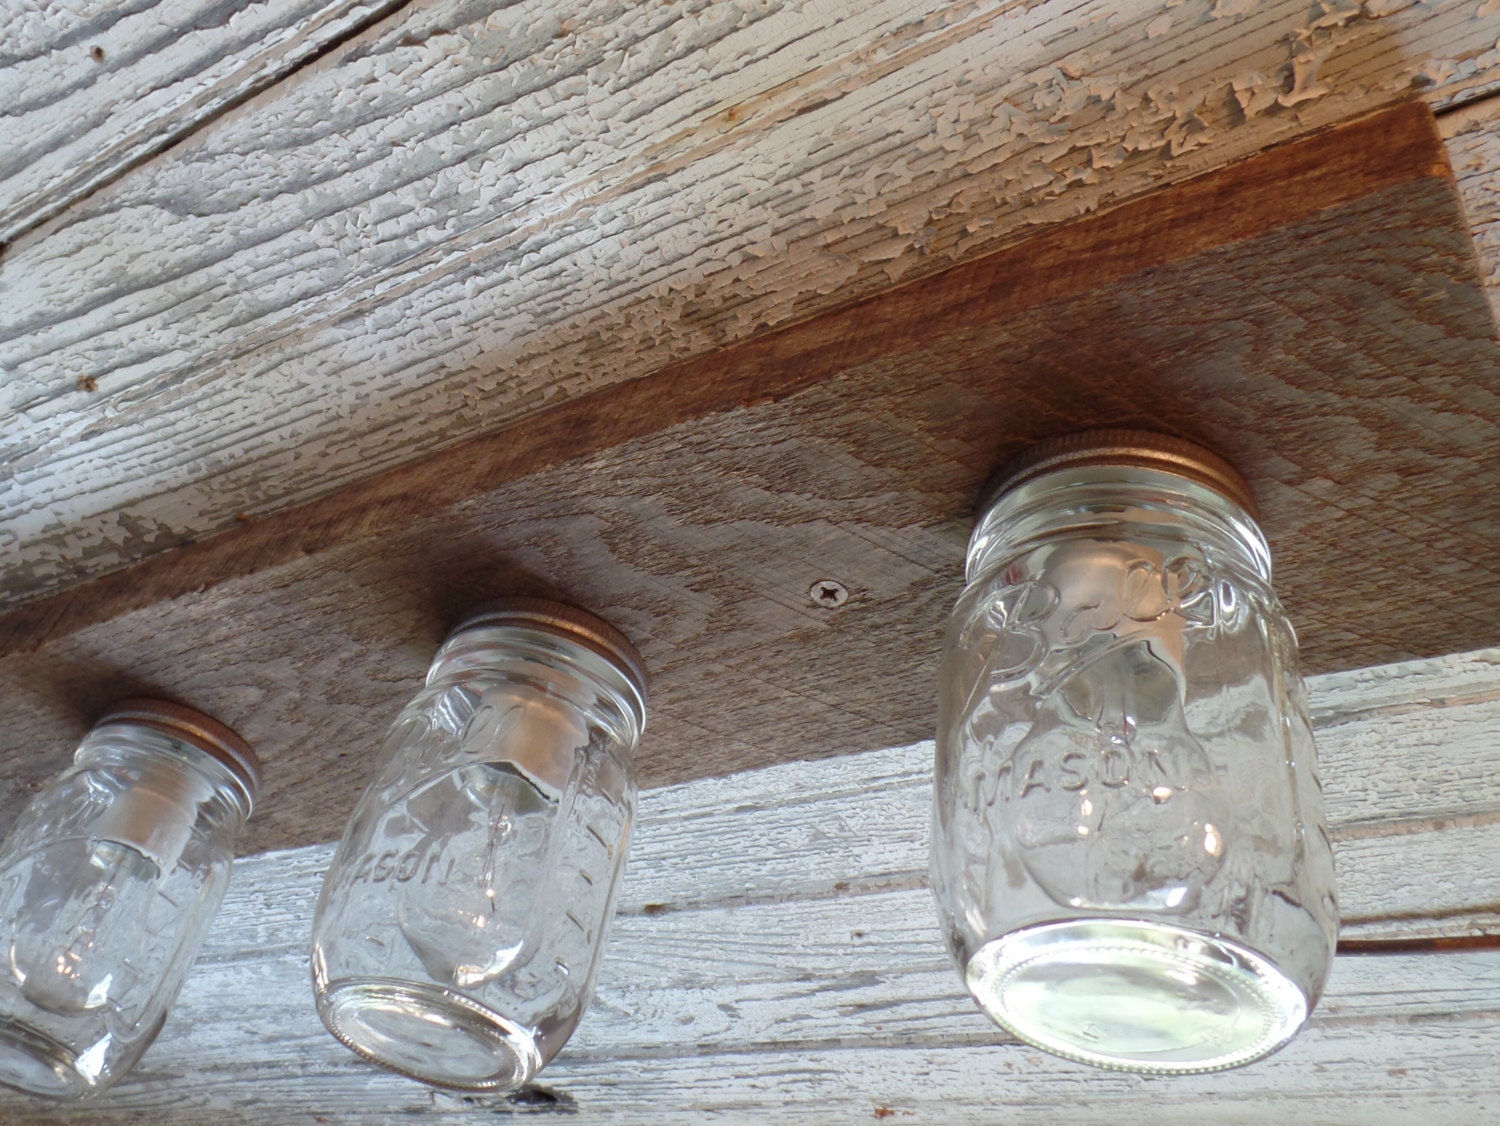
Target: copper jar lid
1138 449
196 729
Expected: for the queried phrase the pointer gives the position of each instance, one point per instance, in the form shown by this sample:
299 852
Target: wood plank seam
169 122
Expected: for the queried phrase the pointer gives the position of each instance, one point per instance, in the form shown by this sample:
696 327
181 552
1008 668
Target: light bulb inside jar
107 881
479 815
519 746
1109 798
463 917
80 933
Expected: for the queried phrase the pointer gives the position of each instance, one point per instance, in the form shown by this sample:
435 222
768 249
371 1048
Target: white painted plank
757 971
695 1014
742 977
1437 1071
471 212
1474 148
90 89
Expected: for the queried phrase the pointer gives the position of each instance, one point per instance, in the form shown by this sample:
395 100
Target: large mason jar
462 920
108 883
1129 851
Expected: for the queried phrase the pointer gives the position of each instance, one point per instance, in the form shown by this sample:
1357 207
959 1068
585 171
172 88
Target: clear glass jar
462 920
1129 853
108 883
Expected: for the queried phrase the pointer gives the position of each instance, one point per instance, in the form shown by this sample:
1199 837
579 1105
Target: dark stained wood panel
1313 313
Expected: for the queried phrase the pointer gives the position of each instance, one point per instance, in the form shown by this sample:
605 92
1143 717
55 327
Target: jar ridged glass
108 883
463 919
1129 853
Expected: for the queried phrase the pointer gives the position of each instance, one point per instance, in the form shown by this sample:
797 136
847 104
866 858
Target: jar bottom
33 1062
430 1034
1136 995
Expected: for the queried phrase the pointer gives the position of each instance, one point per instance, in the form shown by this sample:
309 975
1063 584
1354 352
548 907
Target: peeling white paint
446 224
1307 56
1474 148
90 88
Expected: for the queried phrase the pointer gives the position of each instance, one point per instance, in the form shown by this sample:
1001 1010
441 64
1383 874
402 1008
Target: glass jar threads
1129 852
108 883
462 920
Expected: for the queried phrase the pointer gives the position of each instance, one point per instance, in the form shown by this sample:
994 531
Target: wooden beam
472 212
776 956
1313 313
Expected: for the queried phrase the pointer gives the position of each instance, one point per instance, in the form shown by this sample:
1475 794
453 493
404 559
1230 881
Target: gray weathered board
1473 137
475 208
1313 312
91 88
776 957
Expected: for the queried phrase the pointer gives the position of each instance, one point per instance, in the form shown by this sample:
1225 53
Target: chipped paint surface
1473 137
89 89
469 212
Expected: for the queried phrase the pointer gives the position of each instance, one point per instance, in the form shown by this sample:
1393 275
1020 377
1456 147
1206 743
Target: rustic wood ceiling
1313 312
472 211
254 254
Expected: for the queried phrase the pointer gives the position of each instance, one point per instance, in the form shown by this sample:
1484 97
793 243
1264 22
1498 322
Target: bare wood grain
90 90
1330 350
821 998
472 213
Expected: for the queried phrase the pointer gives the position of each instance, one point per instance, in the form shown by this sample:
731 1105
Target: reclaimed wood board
1313 313
776 956
473 210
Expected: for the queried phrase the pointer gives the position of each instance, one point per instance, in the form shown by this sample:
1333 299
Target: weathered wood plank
1386 1075
475 211
90 90
867 971
1473 135
769 979
1332 351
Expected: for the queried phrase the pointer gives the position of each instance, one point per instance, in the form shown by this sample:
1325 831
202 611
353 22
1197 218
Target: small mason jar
1129 851
108 883
462 920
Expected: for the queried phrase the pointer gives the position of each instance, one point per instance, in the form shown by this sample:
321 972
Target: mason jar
108 883
463 918
1129 852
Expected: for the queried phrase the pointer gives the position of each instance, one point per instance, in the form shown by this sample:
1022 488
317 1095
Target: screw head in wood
828 593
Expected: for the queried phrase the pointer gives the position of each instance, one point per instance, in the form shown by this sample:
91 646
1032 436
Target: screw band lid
569 622
193 727
1139 449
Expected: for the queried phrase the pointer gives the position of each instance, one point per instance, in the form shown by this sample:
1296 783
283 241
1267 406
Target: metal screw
828 593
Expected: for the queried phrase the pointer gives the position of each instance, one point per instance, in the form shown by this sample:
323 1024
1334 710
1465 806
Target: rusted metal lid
197 730
565 621
1139 449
